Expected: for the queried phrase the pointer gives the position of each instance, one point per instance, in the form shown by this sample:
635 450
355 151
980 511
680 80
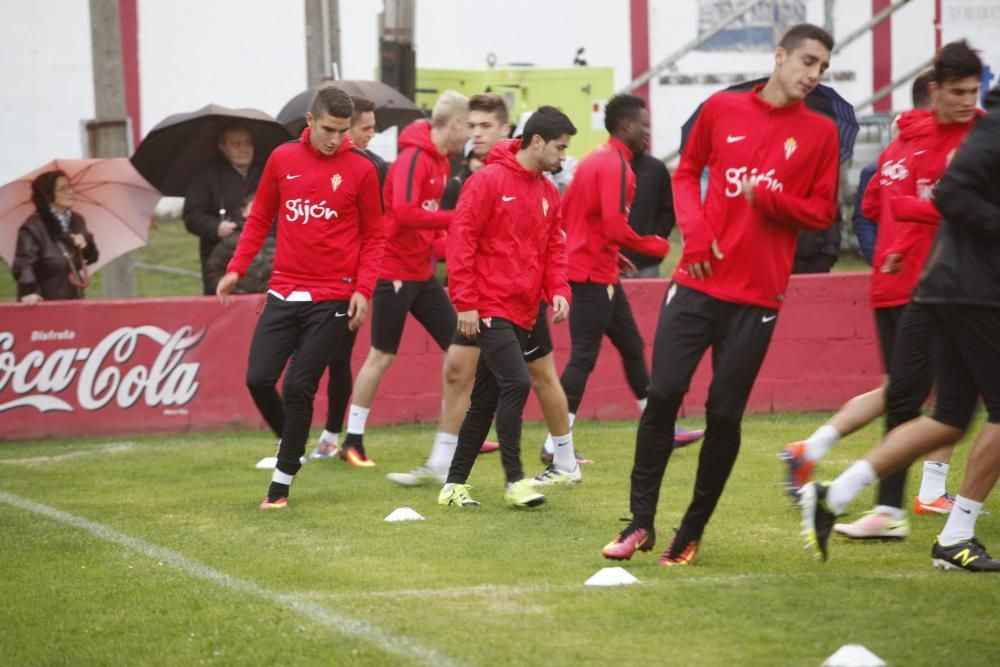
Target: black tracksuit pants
602 310
501 388
690 323
306 332
340 383
908 352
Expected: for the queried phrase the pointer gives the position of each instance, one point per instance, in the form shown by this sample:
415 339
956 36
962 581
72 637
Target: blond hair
451 104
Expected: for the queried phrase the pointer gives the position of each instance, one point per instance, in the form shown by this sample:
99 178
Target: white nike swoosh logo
340 314
532 350
919 152
506 198
767 318
290 177
732 140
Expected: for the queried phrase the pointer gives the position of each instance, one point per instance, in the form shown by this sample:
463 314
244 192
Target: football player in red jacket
406 282
773 170
595 213
340 379
488 125
506 253
897 197
325 195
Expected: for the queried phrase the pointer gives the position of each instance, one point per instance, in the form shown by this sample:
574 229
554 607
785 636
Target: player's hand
32 299
893 263
226 228
468 323
626 267
225 287
560 308
703 270
357 310
748 187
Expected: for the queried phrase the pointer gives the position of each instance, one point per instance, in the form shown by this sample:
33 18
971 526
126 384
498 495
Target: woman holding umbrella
53 244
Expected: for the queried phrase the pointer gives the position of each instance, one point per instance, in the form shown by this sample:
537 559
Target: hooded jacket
596 213
506 248
900 195
413 217
329 212
964 265
790 154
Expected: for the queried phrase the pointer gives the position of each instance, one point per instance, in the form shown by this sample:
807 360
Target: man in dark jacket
961 289
214 199
652 210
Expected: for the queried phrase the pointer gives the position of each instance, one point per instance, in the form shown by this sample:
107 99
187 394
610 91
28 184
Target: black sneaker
353 451
817 519
968 555
683 549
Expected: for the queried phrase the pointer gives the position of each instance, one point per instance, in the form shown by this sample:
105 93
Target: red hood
912 123
418 135
504 153
345 145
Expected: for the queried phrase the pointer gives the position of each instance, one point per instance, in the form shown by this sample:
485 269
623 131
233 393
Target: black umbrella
178 146
391 106
823 99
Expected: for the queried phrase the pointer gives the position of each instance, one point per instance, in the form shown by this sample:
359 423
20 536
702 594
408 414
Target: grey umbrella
391 106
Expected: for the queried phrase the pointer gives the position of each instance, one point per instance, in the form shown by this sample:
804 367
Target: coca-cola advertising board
127 366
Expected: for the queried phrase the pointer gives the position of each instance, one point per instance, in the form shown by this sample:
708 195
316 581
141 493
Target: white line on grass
329 618
113 448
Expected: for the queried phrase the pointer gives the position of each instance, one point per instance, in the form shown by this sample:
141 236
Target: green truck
580 92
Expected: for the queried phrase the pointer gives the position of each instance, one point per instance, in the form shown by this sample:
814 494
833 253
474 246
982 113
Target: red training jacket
894 176
595 213
329 210
413 192
506 248
791 155
930 151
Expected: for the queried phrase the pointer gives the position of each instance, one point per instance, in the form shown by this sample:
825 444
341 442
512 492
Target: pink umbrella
114 199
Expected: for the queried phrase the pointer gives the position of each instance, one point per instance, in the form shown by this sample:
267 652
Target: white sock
356 418
447 486
548 446
932 483
849 485
820 442
961 524
642 404
564 457
328 438
282 478
443 452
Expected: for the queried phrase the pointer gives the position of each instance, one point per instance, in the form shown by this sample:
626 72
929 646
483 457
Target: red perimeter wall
167 365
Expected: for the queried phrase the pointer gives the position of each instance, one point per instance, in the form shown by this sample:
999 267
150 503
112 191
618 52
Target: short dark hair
489 103
920 94
620 109
332 101
800 32
549 123
43 194
361 105
233 126
956 60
